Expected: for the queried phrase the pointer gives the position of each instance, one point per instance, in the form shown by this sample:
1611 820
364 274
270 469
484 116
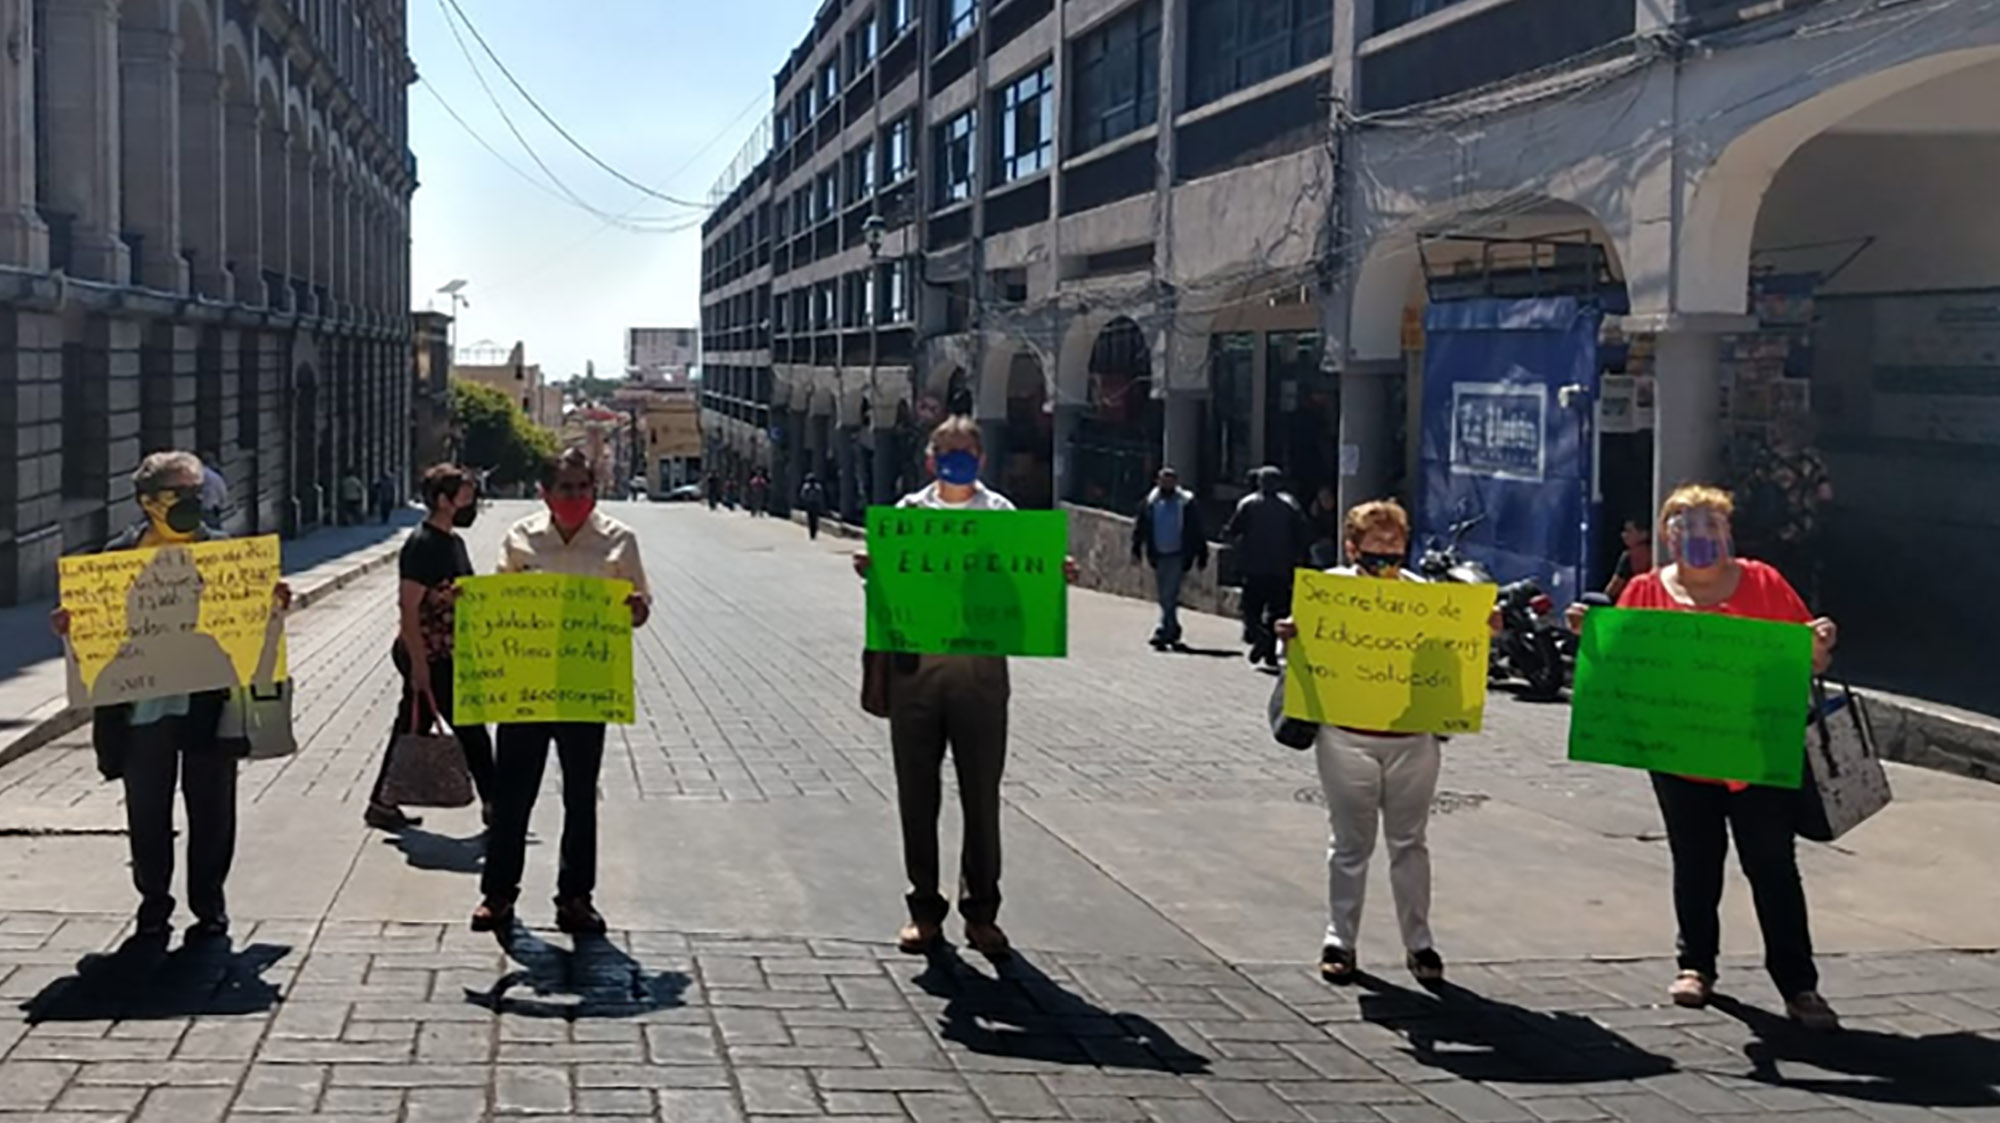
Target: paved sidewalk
1165 876
34 706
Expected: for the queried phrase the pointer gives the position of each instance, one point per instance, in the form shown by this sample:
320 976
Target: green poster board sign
1693 694
967 582
535 647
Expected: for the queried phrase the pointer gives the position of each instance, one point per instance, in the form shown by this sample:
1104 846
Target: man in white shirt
957 702
570 537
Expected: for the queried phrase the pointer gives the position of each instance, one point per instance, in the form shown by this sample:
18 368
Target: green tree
495 434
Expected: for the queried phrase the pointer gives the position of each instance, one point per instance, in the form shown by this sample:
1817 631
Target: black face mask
1378 564
184 517
465 516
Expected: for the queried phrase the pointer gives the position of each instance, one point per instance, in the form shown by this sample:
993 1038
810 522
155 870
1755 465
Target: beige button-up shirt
602 547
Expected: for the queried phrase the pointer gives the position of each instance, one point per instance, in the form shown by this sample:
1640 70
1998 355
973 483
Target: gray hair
158 469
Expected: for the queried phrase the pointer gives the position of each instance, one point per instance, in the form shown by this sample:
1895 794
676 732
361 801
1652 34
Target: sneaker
918 937
989 941
578 917
385 818
1337 965
1811 1012
208 928
1426 965
493 916
1691 990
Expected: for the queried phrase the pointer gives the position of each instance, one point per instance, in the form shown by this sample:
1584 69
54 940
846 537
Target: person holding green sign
955 702
1705 575
572 537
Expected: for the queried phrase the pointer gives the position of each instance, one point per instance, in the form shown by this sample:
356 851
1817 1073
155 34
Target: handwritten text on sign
967 582
1388 656
543 647
172 620
1693 694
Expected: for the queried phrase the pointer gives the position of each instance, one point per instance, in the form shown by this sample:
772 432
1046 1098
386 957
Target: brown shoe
989 941
578 917
919 937
385 818
1691 990
493 916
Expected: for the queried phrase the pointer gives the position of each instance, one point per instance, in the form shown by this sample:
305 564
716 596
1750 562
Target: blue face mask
958 467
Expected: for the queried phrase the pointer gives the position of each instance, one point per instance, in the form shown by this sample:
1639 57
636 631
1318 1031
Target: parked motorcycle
1446 563
1530 646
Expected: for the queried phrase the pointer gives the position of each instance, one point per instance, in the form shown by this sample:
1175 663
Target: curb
1934 736
57 719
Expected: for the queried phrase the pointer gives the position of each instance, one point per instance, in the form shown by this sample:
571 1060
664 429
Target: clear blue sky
645 84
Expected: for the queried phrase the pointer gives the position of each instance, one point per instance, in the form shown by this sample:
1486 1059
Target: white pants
1392 779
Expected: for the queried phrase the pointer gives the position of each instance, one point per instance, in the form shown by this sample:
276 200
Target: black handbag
1290 731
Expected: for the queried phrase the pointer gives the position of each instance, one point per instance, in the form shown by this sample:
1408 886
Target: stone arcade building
204 244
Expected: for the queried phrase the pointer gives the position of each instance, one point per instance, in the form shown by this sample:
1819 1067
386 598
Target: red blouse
1762 594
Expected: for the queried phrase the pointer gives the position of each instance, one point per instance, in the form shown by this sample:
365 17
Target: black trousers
1267 599
1700 818
957 703
522 759
476 743
812 524
160 753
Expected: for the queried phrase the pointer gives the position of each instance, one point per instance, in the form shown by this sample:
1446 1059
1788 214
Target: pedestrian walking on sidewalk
152 743
1169 534
760 494
959 703
1704 574
433 558
571 536
353 498
812 500
1271 538
1376 781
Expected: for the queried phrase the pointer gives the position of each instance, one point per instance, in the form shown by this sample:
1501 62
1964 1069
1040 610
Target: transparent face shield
1698 538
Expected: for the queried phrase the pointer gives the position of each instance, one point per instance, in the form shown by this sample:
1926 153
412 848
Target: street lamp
456 291
871 228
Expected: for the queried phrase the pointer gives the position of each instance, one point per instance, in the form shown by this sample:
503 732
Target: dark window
861 45
1491 45
784 222
802 209
783 123
956 169
956 20
896 291
895 17
829 83
1391 14
1026 114
896 150
829 195
1234 44
823 305
861 172
1117 67
1231 359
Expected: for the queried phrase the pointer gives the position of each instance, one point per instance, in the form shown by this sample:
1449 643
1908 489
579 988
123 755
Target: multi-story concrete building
1524 260
661 355
204 243
510 372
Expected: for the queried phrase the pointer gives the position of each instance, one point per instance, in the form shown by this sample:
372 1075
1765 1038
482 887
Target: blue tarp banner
1499 443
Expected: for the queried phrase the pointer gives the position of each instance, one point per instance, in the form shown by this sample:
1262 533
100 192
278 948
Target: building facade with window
1049 215
204 224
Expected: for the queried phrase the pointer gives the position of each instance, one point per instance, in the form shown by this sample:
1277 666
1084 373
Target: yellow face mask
175 515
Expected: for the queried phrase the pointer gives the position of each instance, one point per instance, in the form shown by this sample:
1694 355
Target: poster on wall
1497 428
1617 409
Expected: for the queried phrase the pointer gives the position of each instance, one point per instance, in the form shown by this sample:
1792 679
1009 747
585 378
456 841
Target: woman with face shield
1703 574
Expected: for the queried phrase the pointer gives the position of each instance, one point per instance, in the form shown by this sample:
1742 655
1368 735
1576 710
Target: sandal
1691 990
493 916
919 937
1337 965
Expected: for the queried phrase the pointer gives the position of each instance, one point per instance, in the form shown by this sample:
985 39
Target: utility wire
556 125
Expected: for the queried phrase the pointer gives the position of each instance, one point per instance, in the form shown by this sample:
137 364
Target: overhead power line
557 125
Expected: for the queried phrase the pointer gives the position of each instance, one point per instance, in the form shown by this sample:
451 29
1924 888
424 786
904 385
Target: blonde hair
955 428
1380 514
1689 496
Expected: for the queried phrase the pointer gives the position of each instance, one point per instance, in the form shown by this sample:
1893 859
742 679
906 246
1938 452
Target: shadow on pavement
428 850
1476 1038
1941 1070
1025 1015
142 981
596 980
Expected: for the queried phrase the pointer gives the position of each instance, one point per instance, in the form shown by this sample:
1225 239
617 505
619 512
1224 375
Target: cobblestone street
1165 883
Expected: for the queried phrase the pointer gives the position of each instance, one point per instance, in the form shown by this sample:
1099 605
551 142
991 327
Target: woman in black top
432 561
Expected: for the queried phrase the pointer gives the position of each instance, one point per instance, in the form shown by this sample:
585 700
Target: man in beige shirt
570 537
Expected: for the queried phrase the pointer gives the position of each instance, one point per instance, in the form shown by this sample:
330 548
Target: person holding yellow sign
151 742
1378 779
571 537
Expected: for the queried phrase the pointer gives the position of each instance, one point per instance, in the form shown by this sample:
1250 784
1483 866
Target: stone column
299 265
24 240
1687 361
275 207
242 192
322 226
1181 440
1367 430
850 488
81 44
150 155
203 191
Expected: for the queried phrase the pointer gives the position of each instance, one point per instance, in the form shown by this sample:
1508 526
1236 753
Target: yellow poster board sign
172 620
532 647
1388 656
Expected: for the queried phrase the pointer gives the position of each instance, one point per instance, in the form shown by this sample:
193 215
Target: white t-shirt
983 499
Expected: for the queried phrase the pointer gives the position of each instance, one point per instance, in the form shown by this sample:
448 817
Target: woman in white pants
1377 783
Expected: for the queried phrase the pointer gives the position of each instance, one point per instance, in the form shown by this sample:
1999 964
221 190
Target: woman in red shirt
1704 575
